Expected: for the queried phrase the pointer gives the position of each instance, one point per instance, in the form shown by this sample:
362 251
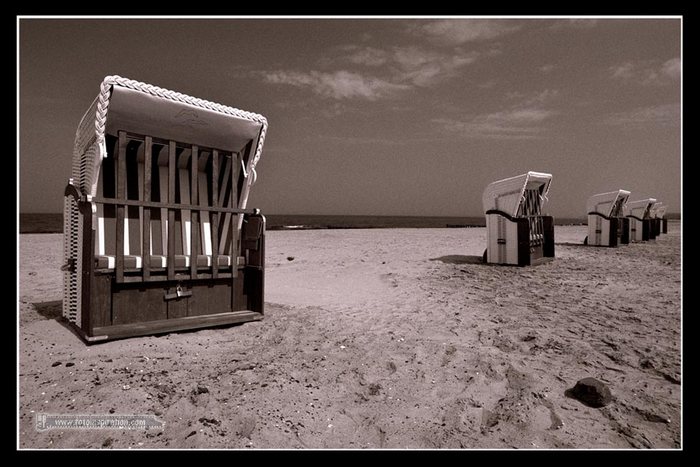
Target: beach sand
381 338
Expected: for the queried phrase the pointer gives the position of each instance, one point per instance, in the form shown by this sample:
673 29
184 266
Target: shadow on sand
49 310
571 244
460 259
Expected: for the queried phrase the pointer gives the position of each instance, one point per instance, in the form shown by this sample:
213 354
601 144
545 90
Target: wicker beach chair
663 221
157 234
639 215
655 215
607 225
517 231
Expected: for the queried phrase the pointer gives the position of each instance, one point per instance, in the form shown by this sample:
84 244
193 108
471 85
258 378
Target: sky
371 116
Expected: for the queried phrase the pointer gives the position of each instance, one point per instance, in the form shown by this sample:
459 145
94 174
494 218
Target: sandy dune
384 338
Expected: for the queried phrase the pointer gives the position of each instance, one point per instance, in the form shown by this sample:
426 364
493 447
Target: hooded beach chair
639 214
517 231
607 225
661 216
157 234
656 219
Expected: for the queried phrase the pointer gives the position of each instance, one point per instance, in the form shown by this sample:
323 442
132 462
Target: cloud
487 84
411 65
576 23
522 121
368 56
546 68
353 140
672 68
337 85
622 71
583 23
536 98
383 71
542 97
424 68
648 73
667 115
460 31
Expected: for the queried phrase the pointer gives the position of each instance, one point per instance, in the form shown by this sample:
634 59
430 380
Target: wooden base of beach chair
116 310
624 229
639 229
512 242
102 334
604 231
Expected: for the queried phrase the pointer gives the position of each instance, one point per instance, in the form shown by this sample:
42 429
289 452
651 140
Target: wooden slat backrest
166 196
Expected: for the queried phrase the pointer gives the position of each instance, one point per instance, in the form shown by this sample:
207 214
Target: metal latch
69 266
179 293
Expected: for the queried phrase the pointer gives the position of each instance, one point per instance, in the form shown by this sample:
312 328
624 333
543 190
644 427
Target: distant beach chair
656 218
517 232
661 216
157 234
607 225
638 213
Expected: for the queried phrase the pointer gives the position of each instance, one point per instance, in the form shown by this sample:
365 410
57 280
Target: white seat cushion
160 261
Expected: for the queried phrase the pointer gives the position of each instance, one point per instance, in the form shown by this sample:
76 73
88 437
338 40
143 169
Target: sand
382 338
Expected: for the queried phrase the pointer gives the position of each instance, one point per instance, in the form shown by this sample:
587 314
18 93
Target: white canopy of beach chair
129 105
654 210
639 208
605 203
507 195
661 211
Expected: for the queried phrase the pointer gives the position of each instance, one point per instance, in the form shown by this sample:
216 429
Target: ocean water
53 223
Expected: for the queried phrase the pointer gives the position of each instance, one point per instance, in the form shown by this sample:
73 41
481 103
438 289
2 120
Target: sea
53 222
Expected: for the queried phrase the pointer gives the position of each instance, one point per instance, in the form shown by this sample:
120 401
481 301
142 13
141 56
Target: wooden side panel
592 227
88 265
178 308
633 229
601 231
646 234
240 299
207 299
510 230
524 256
489 236
612 231
502 240
625 230
101 300
254 289
548 226
135 304
604 227
492 248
